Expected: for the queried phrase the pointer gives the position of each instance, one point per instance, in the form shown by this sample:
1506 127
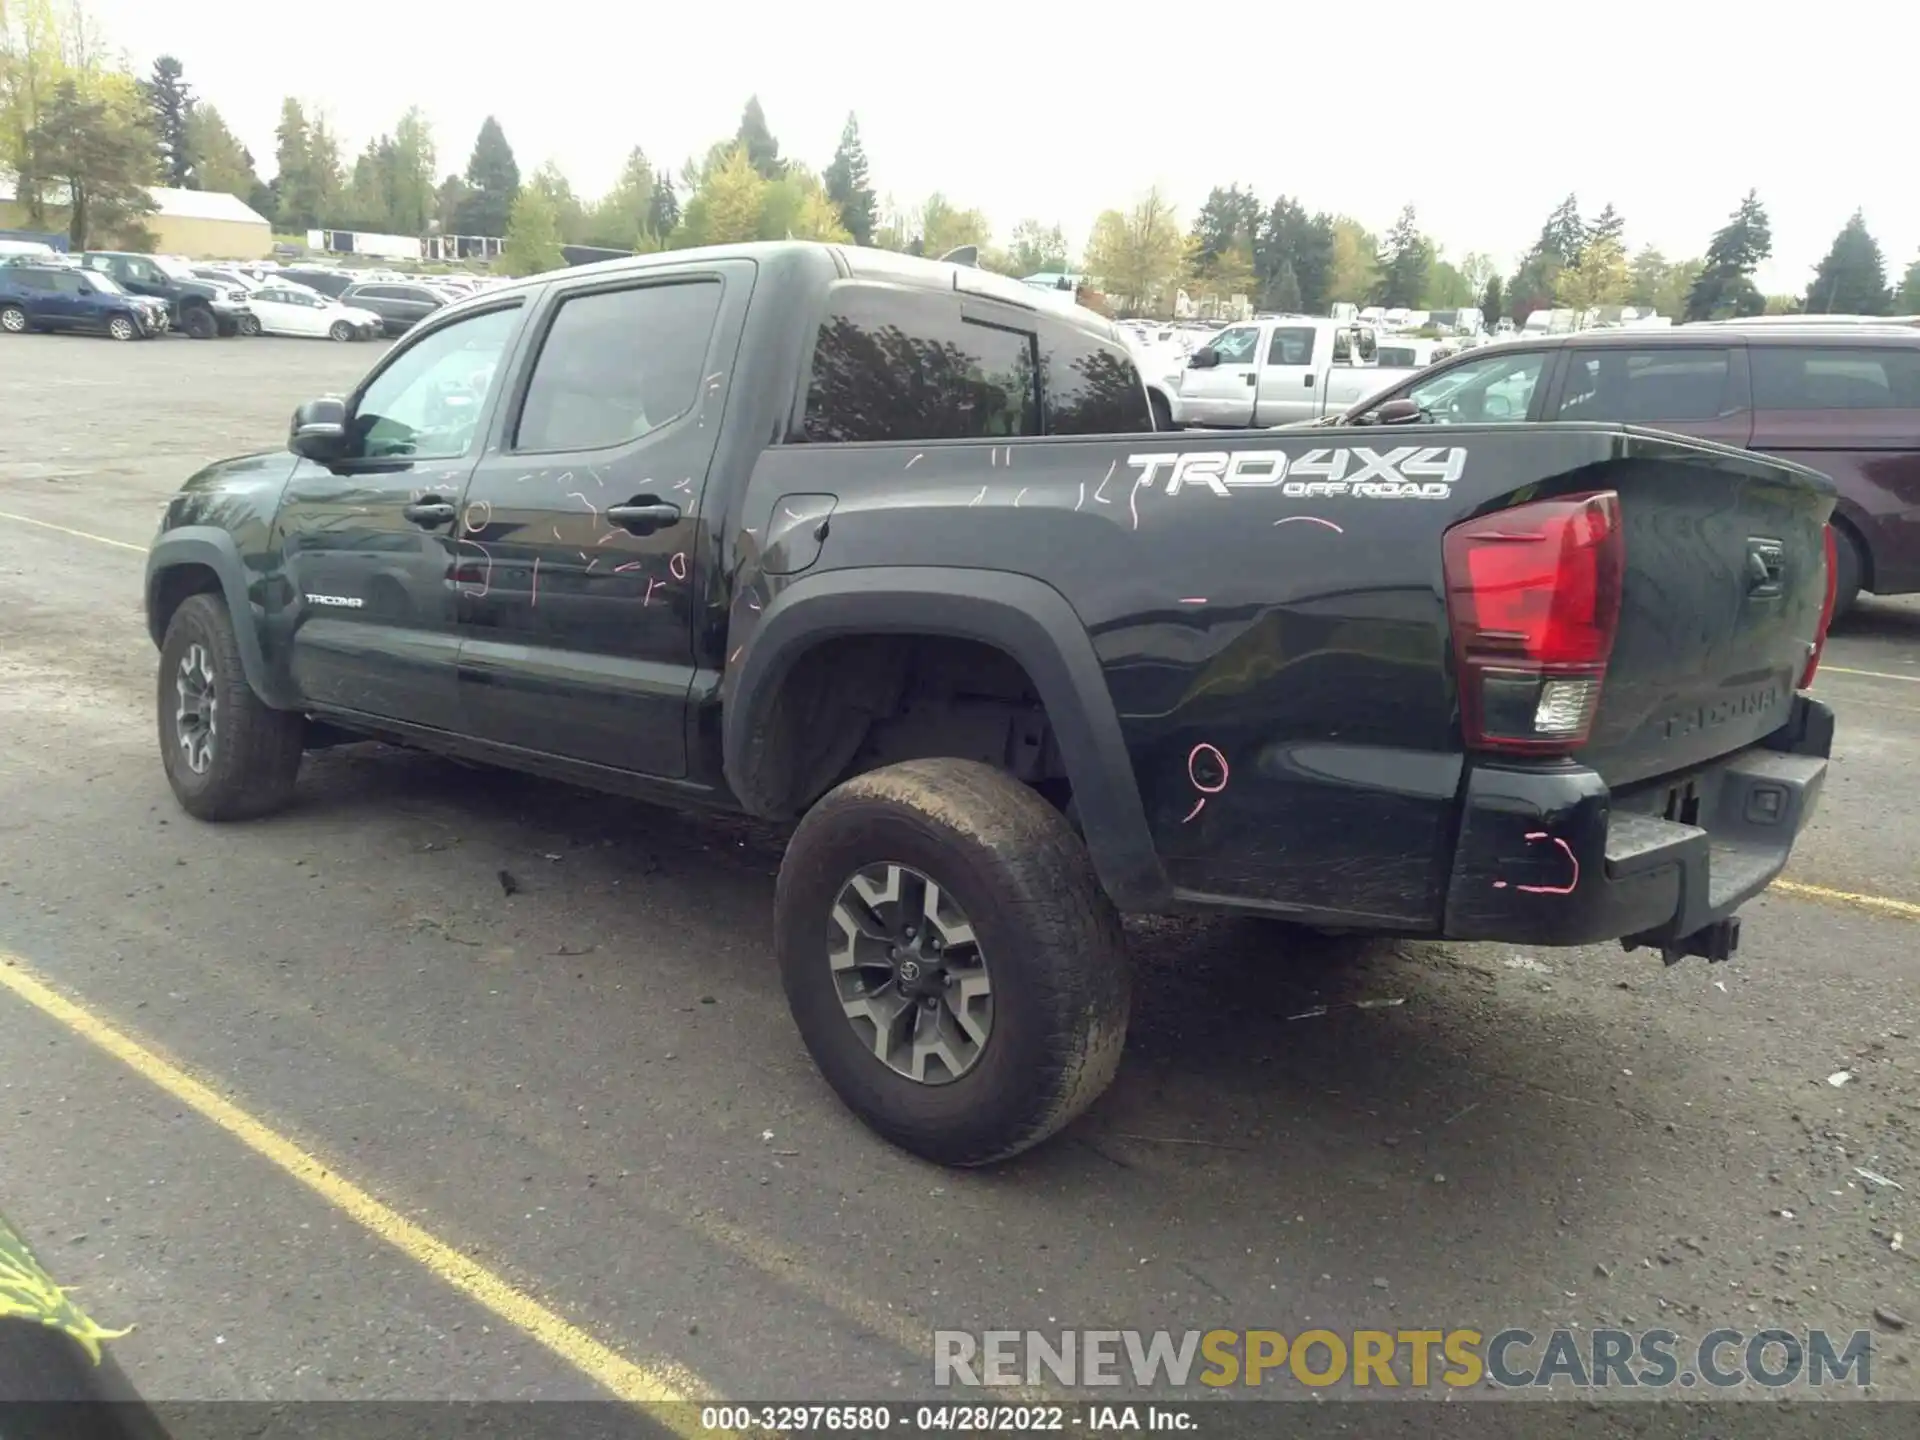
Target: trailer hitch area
1715 942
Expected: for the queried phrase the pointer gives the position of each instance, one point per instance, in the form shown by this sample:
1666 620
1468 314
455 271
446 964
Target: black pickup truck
886 548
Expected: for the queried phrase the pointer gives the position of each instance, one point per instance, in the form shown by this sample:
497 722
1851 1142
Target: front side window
1647 386
1091 388
1490 391
426 404
1795 377
1291 345
902 365
1237 346
68 283
617 364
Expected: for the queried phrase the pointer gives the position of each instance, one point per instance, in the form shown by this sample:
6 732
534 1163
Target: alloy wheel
197 709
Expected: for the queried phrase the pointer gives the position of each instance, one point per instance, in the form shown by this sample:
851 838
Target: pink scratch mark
916 460
1572 859
630 565
536 580
1311 520
1198 806
1083 496
753 604
1214 750
1018 498
1101 494
1194 600
993 455
590 563
678 565
486 576
978 498
598 478
556 532
576 495
715 378
651 586
482 508
1009 457
685 486
735 655
784 510
1133 505
751 531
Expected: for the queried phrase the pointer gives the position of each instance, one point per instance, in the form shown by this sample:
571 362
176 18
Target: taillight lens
1533 596
1826 610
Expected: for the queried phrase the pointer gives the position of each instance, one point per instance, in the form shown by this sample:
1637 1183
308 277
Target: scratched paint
483 509
1534 837
677 566
915 460
1310 520
652 585
1100 495
592 509
486 575
1206 789
978 498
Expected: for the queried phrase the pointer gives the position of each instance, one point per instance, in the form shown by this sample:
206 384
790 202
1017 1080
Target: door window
1237 346
1091 388
1291 345
1794 377
1648 386
426 404
1494 390
68 283
617 364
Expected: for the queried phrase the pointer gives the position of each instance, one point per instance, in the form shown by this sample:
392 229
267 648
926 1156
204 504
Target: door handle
643 514
428 513
1307 380
1250 379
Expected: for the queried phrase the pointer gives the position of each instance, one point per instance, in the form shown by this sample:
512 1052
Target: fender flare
1028 620
215 549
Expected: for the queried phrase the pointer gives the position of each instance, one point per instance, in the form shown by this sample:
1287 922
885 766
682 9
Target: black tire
253 753
1847 569
340 331
1050 939
14 320
199 323
1162 410
122 328
249 324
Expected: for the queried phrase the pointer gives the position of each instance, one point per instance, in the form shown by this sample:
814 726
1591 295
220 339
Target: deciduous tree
727 207
1139 255
1037 249
100 152
1353 272
1599 277
533 235
1909 302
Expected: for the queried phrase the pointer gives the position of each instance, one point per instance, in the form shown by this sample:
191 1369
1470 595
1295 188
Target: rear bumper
1552 857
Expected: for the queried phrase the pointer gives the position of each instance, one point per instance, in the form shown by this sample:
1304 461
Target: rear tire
121 328
228 755
13 320
249 324
341 331
1162 410
1045 967
200 324
1847 570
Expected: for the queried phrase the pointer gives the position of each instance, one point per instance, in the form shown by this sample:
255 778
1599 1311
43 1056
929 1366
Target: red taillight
1826 610
1533 594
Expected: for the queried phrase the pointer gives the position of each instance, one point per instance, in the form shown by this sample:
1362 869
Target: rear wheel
228 755
1162 410
200 324
341 331
13 320
953 966
1847 570
121 328
249 324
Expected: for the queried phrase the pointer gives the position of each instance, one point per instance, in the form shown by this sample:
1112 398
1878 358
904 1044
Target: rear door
1690 389
44 305
1288 387
1223 394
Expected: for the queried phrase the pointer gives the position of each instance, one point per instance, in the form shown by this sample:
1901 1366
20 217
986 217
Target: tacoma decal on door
1411 472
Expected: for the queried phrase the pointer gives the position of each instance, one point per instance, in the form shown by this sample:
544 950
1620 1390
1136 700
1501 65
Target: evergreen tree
1493 301
1725 288
847 185
1284 294
1228 217
1609 224
493 176
763 151
170 99
1909 301
1290 239
663 211
1406 263
220 162
296 186
1564 235
1852 280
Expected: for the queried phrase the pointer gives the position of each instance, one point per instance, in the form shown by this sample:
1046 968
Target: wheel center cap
910 972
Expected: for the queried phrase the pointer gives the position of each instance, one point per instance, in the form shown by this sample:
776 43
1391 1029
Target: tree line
74 126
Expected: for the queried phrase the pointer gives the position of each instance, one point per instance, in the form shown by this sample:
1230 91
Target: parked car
293 310
199 308
1264 373
321 279
1842 398
400 307
886 549
65 297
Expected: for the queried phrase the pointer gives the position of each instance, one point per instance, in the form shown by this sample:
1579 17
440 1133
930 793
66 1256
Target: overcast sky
1482 117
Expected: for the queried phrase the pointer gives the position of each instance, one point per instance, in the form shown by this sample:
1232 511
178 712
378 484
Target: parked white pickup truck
1280 372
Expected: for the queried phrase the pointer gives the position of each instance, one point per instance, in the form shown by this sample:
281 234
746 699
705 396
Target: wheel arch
1028 621
201 560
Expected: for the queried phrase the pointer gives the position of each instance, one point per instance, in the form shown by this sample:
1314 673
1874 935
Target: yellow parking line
77 534
1905 909
654 1385
1869 674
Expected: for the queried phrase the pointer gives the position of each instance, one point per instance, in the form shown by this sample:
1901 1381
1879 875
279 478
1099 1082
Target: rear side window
1794 377
1091 387
1648 386
33 280
902 365
617 364
1291 345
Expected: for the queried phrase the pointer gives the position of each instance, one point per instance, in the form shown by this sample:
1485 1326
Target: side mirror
1203 359
319 430
1401 411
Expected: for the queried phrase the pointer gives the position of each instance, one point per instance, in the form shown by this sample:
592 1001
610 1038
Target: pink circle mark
1193 757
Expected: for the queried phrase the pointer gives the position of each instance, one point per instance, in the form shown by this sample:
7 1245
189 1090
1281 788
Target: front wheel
200 324
249 324
952 963
121 328
13 320
228 755
341 331
1847 570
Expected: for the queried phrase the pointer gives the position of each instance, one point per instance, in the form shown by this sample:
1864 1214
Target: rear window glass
1291 345
1092 388
1795 377
1647 386
901 365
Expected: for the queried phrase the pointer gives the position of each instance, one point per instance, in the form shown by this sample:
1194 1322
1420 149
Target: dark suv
1841 398
65 297
400 307
200 308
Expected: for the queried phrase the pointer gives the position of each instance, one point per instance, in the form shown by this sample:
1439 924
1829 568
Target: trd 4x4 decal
1410 472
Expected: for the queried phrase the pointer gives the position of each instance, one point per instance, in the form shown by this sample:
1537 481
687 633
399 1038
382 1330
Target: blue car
65 297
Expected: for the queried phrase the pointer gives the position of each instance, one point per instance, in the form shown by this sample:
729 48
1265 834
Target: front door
368 542
1288 385
1223 394
581 538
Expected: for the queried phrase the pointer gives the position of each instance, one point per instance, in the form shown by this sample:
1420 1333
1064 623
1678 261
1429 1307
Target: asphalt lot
592 1090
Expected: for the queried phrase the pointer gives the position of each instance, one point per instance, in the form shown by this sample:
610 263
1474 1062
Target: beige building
199 224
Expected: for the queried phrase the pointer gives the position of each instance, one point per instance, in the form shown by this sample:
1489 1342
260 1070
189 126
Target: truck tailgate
1722 597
